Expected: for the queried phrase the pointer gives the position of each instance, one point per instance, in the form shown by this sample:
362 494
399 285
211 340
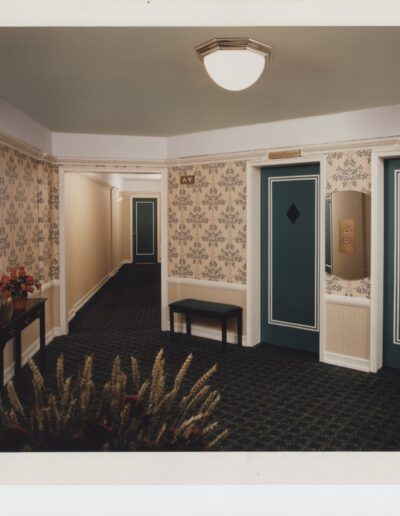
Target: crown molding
18 145
158 166
117 166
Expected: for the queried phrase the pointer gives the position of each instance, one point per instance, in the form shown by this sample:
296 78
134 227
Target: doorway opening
96 237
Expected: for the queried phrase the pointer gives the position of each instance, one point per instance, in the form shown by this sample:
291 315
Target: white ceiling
149 81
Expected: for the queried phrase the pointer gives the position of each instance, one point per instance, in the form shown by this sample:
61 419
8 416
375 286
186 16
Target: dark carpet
273 399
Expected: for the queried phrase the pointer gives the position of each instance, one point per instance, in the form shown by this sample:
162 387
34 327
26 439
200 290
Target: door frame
253 179
378 158
163 249
142 195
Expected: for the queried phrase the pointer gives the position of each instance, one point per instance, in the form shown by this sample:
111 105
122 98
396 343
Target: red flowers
18 283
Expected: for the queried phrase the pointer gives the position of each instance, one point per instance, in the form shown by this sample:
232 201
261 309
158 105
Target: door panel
391 317
290 256
144 230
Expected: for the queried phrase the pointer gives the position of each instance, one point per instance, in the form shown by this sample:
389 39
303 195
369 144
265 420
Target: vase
19 302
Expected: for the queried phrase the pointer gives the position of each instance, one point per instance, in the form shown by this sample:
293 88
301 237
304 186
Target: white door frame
253 301
131 169
377 252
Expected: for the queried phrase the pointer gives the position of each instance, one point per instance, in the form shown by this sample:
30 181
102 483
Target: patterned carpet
273 399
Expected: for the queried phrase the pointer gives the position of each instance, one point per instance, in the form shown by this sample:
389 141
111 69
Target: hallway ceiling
149 81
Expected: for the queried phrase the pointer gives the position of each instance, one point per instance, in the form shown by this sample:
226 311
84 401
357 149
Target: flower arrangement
17 284
144 417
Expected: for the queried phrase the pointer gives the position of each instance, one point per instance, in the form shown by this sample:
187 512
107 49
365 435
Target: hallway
273 399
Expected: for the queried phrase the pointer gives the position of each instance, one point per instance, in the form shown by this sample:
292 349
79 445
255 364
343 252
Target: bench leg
223 323
188 324
240 327
171 324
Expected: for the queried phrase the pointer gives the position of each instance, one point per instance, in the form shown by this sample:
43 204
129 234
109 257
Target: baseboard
28 353
208 333
84 299
360 364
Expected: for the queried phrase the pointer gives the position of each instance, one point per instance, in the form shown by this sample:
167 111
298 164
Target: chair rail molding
207 283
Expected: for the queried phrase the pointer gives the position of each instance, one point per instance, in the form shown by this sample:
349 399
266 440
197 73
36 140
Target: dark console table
219 311
12 322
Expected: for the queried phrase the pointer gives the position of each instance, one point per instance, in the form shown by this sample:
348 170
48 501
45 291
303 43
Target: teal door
391 315
144 212
290 256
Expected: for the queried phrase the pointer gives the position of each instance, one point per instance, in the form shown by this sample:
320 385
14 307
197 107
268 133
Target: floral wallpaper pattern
348 171
29 218
207 222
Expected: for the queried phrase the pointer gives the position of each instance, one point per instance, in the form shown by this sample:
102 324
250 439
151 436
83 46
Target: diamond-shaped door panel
293 213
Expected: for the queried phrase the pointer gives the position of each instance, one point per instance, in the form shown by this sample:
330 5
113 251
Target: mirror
348 234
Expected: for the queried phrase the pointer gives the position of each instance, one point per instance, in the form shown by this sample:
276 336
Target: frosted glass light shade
234 63
234 70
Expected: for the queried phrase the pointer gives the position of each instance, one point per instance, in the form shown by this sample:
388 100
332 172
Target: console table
219 311
12 322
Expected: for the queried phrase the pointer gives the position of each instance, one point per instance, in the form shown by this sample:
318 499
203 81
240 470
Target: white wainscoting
348 332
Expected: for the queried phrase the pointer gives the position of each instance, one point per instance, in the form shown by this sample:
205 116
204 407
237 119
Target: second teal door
290 256
144 212
391 306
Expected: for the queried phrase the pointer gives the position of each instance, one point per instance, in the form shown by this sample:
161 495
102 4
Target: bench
219 311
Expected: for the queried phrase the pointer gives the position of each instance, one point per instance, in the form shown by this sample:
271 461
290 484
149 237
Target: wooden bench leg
240 327
188 324
223 323
171 324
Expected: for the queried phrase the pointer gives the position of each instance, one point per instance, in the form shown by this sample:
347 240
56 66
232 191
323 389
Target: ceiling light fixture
234 63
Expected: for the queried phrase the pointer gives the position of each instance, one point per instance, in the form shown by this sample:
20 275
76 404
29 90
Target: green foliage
149 418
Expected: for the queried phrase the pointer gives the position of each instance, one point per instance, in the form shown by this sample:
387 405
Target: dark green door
290 256
391 315
144 225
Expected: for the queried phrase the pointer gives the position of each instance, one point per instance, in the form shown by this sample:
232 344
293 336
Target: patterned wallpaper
348 171
29 218
207 222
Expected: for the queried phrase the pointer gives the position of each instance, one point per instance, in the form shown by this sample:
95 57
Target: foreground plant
150 417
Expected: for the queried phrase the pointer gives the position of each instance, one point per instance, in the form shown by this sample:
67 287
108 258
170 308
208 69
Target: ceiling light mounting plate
239 43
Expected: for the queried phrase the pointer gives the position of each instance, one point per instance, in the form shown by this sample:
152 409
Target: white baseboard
360 364
84 299
28 353
208 333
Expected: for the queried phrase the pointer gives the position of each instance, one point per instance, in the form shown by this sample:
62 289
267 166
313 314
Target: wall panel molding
348 330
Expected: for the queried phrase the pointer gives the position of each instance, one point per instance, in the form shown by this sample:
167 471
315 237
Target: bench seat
208 309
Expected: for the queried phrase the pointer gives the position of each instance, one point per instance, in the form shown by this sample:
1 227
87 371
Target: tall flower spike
135 373
60 375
